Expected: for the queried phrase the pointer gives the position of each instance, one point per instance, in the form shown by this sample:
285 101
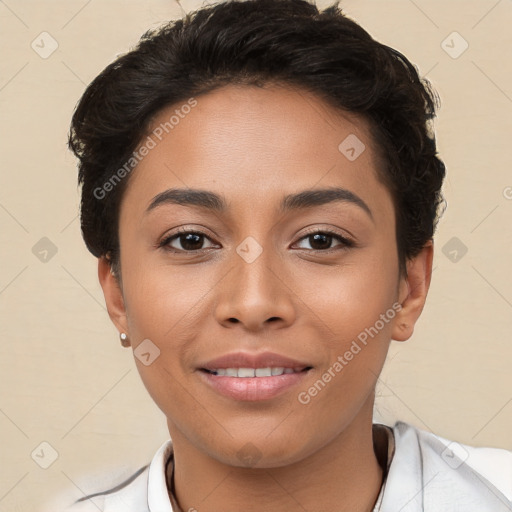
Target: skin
253 146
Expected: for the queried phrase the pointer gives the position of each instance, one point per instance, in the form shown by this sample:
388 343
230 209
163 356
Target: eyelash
345 242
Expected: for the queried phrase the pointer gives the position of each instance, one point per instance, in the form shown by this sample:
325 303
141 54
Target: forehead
254 145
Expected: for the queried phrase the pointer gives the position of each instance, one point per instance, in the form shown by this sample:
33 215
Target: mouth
249 377
245 373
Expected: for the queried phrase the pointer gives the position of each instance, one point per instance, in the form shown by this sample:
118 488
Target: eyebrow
304 199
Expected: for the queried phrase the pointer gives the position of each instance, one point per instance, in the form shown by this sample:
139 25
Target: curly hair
258 42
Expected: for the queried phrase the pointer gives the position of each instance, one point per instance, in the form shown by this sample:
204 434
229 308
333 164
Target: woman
261 185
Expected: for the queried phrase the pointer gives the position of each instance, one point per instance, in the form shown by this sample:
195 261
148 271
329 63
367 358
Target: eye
322 241
186 241
192 240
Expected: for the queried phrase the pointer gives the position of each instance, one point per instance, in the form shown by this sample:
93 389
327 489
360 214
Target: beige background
65 379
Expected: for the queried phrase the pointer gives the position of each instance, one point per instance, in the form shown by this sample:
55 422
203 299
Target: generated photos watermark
143 150
304 397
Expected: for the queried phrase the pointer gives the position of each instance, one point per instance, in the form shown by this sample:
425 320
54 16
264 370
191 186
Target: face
286 264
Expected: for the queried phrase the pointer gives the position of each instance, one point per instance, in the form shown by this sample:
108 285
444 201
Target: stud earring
125 342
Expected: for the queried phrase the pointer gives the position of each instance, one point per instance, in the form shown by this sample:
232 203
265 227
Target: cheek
355 307
160 300
351 297
164 306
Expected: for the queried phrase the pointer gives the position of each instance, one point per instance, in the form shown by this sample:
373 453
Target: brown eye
322 241
186 241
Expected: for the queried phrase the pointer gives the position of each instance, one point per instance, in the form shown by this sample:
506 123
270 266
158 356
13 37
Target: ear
413 290
113 295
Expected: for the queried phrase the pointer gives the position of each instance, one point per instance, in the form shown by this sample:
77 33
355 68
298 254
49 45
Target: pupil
324 240
188 241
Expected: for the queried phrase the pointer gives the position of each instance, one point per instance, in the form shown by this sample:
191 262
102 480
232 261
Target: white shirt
426 473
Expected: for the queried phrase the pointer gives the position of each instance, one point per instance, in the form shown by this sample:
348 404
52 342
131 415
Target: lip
253 388
247 360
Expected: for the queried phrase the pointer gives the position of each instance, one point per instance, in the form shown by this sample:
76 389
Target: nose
255 294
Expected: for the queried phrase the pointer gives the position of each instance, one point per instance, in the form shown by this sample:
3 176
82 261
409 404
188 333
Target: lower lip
252 388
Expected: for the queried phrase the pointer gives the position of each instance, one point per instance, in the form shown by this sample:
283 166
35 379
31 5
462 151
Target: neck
344 475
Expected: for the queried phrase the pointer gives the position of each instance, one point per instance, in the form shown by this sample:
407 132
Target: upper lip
246 360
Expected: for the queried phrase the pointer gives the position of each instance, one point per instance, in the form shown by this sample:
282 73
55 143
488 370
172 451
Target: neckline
379 431
384 448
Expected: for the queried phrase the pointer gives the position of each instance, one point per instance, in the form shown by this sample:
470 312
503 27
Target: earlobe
113 294
413 292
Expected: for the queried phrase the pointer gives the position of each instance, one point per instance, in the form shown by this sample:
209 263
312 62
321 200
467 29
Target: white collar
158 494
421 477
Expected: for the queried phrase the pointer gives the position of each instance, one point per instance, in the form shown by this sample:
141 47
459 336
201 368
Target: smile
253 372
253 384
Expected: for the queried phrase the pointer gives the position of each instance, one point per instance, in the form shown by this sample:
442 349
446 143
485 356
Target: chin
260 451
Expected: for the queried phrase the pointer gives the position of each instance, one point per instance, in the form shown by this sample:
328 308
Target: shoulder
130 494
127 495
492 464
446 475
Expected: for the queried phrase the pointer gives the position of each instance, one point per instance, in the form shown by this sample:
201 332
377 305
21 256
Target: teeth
254 372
